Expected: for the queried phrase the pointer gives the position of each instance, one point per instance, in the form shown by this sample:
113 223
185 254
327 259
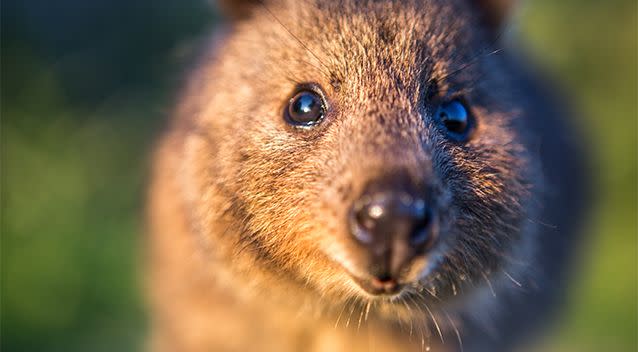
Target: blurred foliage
86 86
593 46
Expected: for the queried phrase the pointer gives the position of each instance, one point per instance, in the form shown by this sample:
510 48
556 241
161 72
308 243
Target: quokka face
359 149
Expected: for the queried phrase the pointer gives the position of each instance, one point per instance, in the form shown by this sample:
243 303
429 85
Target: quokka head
366 149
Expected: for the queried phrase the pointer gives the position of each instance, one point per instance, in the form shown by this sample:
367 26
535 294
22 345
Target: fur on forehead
493 13
407 37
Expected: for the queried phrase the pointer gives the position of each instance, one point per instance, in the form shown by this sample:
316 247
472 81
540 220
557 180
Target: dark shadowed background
87 84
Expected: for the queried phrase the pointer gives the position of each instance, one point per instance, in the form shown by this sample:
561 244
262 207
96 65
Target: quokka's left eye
455 119
306 108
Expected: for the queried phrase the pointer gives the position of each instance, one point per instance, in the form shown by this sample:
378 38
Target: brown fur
249 247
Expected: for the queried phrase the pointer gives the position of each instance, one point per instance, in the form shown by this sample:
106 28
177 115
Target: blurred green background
87 84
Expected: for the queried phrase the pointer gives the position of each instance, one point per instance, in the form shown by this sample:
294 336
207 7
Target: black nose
394 226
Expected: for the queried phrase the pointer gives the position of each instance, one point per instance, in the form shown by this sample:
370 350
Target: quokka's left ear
494 13
237 9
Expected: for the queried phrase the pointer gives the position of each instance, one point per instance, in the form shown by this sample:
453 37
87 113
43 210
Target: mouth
385 286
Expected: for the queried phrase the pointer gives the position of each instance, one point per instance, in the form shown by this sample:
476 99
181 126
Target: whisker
360 318
489 283
470 63
539 222
354 305
433 294
421 325
422 338
411 319
456 331
342 310
262 3
436 324
512 279
480 56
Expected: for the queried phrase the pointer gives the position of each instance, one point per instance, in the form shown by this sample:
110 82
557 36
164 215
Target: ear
237 9
494 13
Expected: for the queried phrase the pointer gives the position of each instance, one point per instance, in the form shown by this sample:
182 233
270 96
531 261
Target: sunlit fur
249 244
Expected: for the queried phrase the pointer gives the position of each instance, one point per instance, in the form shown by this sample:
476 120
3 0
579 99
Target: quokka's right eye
305 109
456 120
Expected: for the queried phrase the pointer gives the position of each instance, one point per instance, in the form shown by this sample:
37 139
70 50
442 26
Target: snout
392 223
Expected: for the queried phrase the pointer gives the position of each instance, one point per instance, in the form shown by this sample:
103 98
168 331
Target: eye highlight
305 109
455 119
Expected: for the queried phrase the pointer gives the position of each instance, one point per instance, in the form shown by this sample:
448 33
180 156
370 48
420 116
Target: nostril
383 277
376 219
421 231
368 216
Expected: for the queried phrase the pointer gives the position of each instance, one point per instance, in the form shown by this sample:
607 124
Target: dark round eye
306 108
456 119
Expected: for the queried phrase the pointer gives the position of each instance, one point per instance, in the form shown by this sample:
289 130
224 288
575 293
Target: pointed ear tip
495 12
236 9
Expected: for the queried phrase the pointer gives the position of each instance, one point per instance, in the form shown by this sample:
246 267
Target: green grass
592 46
71 199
